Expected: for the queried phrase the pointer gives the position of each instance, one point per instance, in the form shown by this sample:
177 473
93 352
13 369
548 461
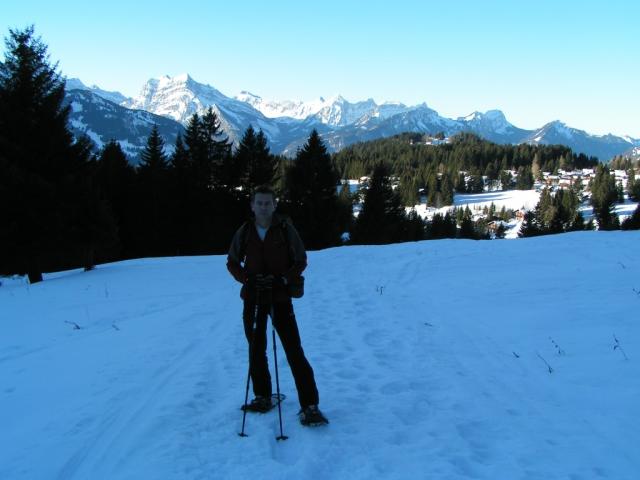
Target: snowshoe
311 416
263 404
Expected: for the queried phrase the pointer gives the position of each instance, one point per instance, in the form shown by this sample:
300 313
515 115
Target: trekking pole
275 362
246 393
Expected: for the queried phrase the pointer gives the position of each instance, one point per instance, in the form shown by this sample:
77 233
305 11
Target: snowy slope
430 360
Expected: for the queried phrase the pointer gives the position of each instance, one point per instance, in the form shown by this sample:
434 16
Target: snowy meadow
450 359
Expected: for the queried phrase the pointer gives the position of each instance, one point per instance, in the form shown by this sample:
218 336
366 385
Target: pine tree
382 218
525 179
441 227
153 158
446 190
311 195
345 200
115 178
506 180
152 205
535 167
633 185
633 222
603 197
467 229
253 163
44 173
461 184
529 226
216 148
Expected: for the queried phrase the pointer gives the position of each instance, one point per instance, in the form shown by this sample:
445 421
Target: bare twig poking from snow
617 346
558 349
75 325
547 363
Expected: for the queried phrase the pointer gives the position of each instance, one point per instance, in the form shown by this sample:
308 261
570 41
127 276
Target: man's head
263 204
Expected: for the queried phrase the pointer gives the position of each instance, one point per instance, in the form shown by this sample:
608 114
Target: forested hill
421 153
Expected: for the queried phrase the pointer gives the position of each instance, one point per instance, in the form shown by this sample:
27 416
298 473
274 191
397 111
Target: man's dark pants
284 321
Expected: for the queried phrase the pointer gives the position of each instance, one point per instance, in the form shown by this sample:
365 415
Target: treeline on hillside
436 169
64 207
558 211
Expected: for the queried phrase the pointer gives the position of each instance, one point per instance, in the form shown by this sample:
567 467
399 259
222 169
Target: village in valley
511 205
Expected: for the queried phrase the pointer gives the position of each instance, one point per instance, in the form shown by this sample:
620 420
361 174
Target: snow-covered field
448 359
509 199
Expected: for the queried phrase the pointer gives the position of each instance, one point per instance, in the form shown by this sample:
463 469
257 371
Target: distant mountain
115 97
273 109
604 147
493 126
180 97
102 120
287 124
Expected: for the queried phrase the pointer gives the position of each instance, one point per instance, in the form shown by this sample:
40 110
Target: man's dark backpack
295 288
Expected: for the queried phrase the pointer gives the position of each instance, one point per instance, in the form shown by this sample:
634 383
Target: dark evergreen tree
633 222
446 190
44 173
524 181
441 227
529 226
215 149
208 205
345 199
461 184
382 218
311 196
501 231
506 180
152 205
115 178
603 198
633 185
475 183
467 228
253 162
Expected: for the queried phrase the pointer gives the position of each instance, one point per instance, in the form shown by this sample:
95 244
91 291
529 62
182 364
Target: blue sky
574 61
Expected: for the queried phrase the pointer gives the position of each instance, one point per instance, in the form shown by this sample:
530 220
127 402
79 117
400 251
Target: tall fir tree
115 178
311 197
382 218
604 194
633 185
253 161
529 226
43 171
152 203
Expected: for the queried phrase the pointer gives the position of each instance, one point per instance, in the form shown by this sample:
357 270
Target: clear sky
537 61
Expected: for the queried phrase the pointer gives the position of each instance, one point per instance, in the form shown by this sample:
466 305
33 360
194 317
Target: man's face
263 206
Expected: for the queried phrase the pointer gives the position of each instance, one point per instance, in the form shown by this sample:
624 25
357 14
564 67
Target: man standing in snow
267 256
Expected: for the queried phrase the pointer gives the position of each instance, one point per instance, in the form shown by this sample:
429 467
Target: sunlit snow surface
448 359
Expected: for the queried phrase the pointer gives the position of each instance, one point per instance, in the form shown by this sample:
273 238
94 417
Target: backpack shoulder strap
244 239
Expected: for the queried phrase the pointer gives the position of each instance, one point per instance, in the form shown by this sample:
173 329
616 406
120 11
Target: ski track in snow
427 359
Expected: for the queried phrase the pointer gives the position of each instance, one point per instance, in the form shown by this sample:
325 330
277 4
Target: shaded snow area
448 359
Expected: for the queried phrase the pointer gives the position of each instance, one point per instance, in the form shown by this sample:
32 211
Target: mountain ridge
287 124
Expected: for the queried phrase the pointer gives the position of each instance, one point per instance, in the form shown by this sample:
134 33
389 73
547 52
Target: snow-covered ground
448 359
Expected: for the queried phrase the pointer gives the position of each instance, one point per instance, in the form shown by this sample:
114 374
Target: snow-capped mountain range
171 101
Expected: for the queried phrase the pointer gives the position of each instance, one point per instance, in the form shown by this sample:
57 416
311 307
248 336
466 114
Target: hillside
446 359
